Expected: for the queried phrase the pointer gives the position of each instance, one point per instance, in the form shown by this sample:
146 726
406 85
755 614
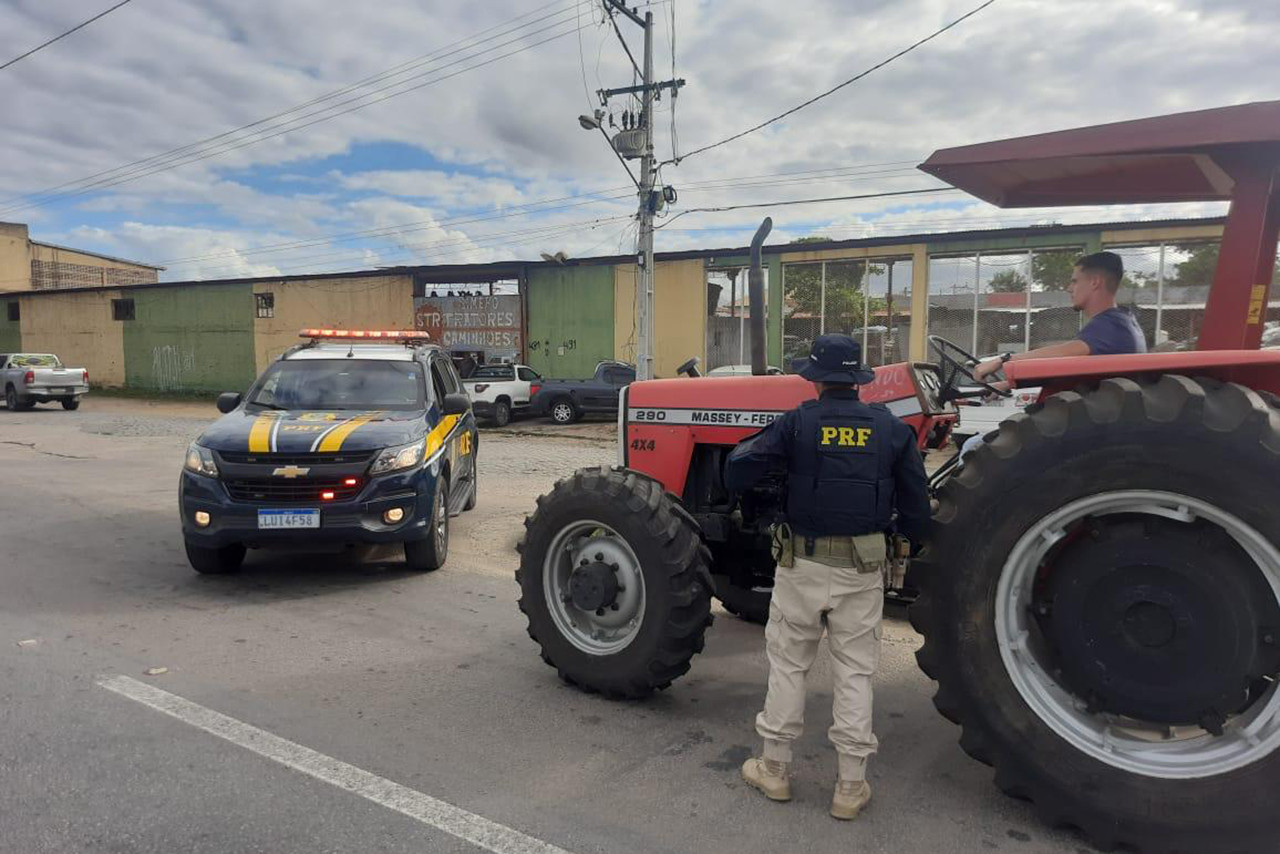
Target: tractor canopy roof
1186 157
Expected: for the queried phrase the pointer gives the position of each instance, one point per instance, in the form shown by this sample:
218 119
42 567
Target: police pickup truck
354 437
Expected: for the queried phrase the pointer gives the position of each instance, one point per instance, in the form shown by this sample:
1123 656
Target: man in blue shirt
1111 331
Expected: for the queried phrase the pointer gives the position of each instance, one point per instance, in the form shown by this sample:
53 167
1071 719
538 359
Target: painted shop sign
471 323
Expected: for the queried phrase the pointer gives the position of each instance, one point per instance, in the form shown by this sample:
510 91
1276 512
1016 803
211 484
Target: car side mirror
228 401
456 404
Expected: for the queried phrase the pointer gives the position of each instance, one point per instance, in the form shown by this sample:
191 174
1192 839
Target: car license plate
288 519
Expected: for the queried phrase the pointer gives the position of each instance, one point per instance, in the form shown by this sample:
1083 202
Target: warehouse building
30 265
981 288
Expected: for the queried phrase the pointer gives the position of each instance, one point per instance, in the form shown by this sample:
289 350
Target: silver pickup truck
31 378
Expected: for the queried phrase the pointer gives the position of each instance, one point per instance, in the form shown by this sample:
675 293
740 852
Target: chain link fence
869 300
1010 301
1167 288
729 316
1000 301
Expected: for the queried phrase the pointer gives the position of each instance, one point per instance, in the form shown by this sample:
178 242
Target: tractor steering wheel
955 362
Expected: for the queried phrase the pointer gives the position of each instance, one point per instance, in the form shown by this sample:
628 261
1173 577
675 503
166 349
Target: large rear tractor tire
615 581
1100 603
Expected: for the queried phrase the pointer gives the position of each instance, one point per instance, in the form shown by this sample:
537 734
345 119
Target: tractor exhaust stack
755 290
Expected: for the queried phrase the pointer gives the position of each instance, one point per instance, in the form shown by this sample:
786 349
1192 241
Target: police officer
849 465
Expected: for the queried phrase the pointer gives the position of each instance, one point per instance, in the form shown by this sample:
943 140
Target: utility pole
649 197
648 206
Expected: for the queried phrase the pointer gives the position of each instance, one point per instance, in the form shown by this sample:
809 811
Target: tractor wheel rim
1153 750
591 631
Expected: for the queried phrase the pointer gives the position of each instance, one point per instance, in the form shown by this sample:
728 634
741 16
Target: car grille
270 459
277 491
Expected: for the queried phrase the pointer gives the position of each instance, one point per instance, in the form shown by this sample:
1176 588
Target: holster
784 545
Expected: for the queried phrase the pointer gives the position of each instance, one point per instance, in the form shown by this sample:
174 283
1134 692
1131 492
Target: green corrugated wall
191 338
10 330
570 320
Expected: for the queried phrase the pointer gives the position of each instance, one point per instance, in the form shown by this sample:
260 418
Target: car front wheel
428 555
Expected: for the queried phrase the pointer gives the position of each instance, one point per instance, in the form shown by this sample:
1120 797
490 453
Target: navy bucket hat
835 358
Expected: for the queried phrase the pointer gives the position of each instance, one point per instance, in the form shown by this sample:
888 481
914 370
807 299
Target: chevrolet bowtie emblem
291 471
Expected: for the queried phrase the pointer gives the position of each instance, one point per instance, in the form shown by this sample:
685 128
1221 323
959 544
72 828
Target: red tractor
1100 597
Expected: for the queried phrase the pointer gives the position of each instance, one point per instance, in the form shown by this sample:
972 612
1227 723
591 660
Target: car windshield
494 372
35 360
340 384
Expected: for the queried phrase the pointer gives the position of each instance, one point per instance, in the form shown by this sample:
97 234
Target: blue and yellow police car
353 437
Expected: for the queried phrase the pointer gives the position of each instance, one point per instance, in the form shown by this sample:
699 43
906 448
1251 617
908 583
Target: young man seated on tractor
848 465
1111 330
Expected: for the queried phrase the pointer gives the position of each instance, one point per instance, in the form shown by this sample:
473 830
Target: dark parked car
568 400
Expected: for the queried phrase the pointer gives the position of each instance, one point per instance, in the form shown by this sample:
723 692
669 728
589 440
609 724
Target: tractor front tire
1104 549
615 582
746 603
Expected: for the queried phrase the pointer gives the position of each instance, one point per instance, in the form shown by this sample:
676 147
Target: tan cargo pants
808 598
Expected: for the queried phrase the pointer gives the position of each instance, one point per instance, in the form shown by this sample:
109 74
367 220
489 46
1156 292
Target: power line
358 249
582 57
293 125
226 142
391 231
79 26
786 202
460 245
840 86
612 194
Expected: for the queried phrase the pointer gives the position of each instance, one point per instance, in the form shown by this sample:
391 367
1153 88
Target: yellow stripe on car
333 440
436 438
260 432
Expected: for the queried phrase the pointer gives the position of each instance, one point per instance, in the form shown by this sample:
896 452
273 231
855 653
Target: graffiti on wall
170 365
491 324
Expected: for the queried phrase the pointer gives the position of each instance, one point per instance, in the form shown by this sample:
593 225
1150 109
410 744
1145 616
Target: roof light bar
358 334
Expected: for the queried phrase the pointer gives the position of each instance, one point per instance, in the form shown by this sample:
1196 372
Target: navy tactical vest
840 474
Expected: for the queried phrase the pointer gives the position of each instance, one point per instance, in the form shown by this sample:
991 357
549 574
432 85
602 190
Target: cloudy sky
256 137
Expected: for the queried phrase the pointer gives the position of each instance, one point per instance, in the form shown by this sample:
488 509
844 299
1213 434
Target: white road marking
467 826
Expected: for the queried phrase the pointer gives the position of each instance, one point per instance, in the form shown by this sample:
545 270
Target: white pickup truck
500 391
31 378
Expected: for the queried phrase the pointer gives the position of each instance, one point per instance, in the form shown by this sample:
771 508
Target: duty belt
868 552
828 547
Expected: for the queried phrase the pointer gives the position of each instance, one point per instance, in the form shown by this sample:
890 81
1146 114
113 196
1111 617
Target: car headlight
200 461
399 457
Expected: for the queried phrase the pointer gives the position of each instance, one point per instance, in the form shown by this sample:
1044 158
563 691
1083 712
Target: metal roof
1176 158
426 275
95 255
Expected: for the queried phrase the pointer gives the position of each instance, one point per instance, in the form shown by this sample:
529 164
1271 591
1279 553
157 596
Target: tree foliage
1051 271
1199 266
1008 282
1201 263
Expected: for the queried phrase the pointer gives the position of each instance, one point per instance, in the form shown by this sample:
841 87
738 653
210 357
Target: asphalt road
424 684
